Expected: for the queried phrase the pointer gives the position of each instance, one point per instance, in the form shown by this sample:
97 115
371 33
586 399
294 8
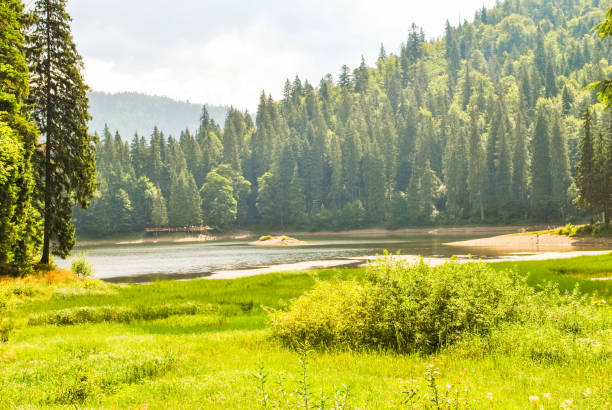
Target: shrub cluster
598 229
81 267
404 307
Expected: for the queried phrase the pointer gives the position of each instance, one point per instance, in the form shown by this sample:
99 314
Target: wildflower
566 404
490 396
546 396
533 399
448 386
586 393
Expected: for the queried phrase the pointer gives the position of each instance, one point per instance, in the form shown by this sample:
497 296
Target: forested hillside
483 126
129 112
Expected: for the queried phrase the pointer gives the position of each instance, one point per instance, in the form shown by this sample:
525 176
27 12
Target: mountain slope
129 112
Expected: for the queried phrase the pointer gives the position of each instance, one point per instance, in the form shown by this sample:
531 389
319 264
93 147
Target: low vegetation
75 342
405 308
597 230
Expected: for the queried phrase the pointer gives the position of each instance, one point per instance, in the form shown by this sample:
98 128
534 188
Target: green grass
200 343
598 230
568 273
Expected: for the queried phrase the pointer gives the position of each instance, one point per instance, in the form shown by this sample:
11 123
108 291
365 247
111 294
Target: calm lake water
150 261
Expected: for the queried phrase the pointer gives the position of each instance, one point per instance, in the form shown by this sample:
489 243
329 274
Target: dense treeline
482 126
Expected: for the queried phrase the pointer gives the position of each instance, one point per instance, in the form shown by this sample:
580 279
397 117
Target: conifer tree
559 166
519 168
58 95
184 203
297 200
19 228
456 170
541 186
476 168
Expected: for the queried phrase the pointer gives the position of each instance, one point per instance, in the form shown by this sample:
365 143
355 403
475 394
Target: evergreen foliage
482 126
19 226
67 168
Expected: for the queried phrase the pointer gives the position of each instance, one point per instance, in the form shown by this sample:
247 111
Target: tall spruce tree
476 172
559 166
541 182
58 96
519 168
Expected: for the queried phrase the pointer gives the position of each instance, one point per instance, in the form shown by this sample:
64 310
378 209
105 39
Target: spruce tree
456 168
58 96
184 203
559 165
476 170
519 168
541 185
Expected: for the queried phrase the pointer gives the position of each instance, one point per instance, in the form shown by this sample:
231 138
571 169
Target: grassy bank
598 230
206 344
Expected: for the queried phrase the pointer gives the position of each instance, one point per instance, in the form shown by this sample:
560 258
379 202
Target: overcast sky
228 51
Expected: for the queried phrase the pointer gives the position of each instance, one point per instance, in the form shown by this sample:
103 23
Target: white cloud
227 51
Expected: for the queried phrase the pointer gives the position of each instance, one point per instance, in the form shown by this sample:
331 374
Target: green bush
404 307
81 267
598 230
7 325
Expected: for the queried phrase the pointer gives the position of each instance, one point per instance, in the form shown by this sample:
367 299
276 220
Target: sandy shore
373 233
279 241
535 243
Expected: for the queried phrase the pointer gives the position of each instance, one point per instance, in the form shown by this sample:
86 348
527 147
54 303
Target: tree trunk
48 168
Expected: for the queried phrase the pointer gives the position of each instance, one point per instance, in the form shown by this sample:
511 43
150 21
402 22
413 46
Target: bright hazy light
227 51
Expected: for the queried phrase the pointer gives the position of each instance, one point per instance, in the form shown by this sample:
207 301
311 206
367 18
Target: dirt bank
535 243
279 241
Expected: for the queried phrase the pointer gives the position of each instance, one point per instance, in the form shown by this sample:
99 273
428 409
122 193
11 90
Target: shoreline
355 262
536 243
369 232
361 261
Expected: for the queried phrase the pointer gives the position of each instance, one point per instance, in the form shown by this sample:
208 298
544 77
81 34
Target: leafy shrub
7 325
598 229
404 307
81 267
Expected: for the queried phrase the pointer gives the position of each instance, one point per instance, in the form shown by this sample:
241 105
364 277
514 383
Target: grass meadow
73 343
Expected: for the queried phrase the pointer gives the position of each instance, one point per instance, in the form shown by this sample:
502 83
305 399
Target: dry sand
535 243
279 241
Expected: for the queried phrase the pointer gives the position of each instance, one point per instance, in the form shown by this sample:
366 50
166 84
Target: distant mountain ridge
130 112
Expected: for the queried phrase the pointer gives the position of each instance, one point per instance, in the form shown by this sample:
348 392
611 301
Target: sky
228 51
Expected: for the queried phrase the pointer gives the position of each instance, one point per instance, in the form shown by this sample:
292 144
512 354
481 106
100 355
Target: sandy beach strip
535 243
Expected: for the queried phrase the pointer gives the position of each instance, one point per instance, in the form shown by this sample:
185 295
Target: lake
181 260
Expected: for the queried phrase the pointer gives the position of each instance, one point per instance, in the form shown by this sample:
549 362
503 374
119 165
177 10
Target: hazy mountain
130 112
